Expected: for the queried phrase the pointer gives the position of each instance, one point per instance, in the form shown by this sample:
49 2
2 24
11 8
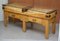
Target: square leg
47 30
24 26
54 26
31 25
5 19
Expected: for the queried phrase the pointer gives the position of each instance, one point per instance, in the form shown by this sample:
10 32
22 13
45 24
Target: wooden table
37 15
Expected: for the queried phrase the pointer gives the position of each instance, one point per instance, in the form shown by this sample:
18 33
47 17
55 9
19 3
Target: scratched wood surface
41 4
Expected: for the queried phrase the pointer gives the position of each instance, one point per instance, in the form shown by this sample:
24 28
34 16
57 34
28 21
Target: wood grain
41 4
32 17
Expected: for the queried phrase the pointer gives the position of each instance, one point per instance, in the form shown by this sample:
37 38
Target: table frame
46 23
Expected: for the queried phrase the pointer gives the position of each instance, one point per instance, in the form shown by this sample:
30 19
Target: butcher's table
37 15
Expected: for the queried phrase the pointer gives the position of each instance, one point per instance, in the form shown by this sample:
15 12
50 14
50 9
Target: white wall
1 11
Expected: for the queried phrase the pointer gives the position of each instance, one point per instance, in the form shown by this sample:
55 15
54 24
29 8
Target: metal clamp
3 6
48 16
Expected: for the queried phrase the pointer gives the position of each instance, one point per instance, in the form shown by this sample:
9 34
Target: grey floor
14 33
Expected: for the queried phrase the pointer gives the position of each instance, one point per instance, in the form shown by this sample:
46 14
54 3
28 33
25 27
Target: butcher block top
38 12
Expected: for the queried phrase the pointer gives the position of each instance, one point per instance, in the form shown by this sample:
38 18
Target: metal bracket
3 6
48 16
24 9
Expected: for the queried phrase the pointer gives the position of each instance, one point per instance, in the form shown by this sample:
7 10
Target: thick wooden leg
24 26
5 19
31 25
14 20
53 27
46 29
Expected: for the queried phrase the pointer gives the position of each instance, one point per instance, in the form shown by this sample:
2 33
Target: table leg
53 27
14 20
24 26
46 29
5 19
31 25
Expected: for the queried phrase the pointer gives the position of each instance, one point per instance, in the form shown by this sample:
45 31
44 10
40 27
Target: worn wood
5 19
32 16
54 4
47 29
54 26
24 26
